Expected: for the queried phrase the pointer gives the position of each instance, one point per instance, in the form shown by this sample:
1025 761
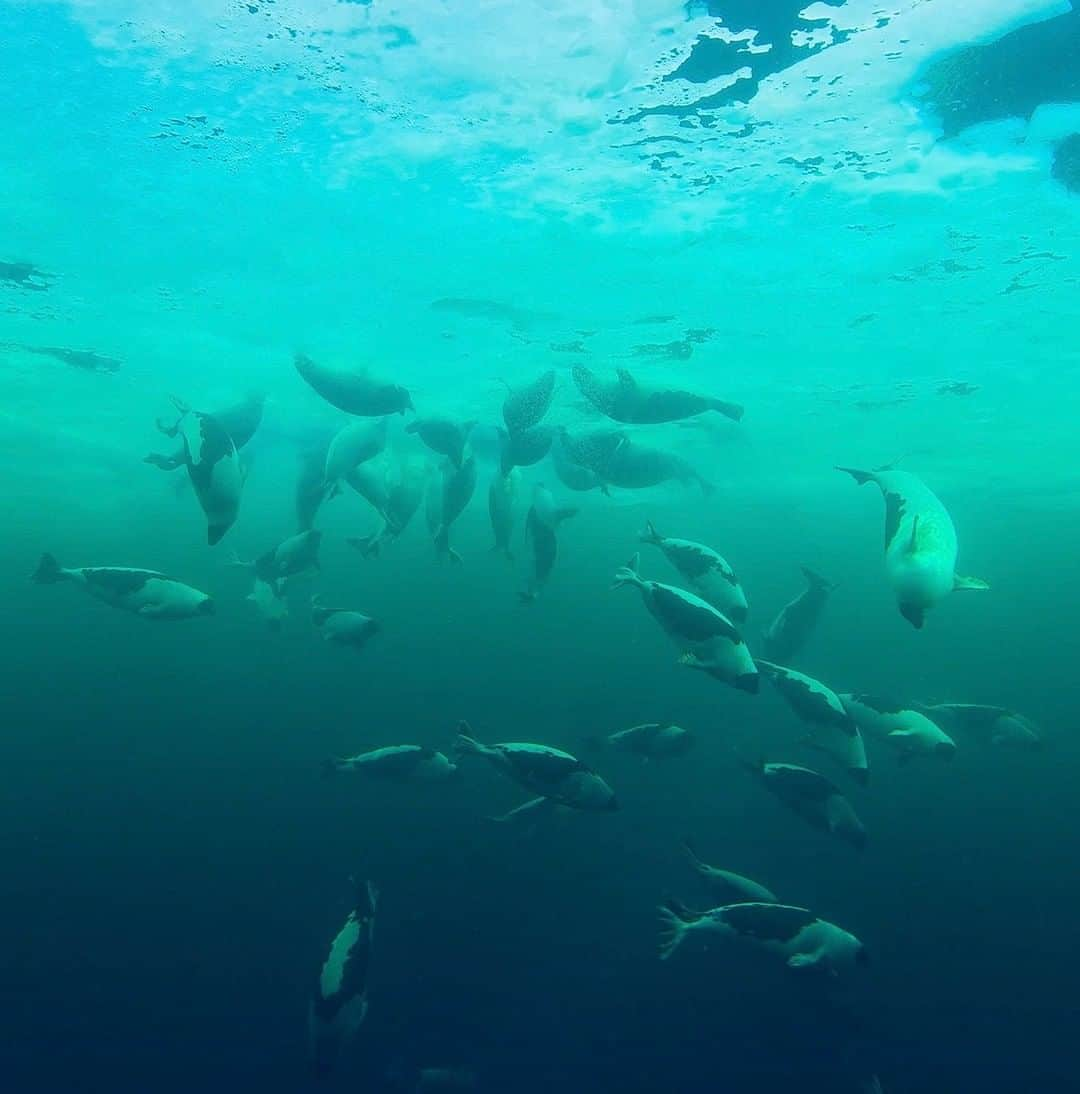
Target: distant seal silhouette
625 400
789 632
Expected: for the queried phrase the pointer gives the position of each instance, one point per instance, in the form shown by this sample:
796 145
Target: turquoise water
856 222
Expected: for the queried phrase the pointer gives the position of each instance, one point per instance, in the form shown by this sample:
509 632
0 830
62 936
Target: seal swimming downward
920 543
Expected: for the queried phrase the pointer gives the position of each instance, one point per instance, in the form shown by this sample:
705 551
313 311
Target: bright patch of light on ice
536 107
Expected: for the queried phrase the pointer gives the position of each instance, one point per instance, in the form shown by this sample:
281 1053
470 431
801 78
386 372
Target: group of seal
706 616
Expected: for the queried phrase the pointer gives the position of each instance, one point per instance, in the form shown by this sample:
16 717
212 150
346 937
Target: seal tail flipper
628 574
675 920
734 411
815 580
467 745
366 898
861 477
649 534
755 767
48 570
973 584
692 855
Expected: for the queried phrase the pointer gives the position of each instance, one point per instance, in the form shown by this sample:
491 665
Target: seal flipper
165 463
48 571
817 581
534 807
913 542
861 477
628 574
675 920
804 960
734 411
972 584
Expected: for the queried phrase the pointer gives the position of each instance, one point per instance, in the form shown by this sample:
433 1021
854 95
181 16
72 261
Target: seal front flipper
165 463
805 960
972 584
913 542
534 807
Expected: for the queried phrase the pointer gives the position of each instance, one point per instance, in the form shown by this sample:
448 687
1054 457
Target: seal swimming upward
920 543
711 576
